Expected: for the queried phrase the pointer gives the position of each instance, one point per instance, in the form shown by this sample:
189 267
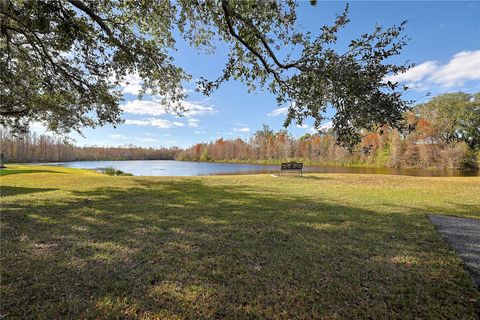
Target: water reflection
186 168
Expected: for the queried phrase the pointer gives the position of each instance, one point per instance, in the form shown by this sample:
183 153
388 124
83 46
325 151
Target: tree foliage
454 117
62 60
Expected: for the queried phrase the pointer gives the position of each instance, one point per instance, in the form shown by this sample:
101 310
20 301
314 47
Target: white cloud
132 84
159 123
164 124
244 129
324 127
156 108
152 108
414 74
303 126
464 66
279 111
137 122
327 125
200 132
193 123
196 109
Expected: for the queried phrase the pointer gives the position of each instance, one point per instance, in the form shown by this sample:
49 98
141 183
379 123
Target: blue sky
445 47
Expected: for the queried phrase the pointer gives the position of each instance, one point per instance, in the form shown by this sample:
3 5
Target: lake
187 168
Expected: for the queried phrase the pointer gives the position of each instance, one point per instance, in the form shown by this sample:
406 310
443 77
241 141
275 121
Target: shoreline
267 163
193 168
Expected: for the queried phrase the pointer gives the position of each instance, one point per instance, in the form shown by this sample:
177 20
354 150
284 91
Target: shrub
114 172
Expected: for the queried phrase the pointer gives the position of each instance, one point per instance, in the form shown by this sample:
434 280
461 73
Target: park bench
292 167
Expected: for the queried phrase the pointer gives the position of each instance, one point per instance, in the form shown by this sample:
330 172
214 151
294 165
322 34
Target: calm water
185 168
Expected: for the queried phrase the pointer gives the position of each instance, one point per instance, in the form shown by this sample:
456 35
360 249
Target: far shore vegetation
442 133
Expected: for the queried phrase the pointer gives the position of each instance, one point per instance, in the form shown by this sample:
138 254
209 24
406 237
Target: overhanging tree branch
118 37
81 6
263 40
244 43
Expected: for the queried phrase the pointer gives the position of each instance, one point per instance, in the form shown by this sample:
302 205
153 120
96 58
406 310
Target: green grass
77 244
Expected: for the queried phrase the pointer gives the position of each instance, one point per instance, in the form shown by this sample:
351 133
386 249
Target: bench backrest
292 166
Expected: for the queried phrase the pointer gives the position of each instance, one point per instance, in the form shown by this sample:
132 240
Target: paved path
463 235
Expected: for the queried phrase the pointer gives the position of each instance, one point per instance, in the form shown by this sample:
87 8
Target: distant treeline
389 148
443 133
44 148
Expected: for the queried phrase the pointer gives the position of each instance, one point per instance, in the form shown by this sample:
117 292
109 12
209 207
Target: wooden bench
292 167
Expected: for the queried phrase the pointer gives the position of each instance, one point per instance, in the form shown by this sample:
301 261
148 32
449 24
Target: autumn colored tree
452 117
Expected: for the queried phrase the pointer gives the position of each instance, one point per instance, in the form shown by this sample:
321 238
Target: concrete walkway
463 235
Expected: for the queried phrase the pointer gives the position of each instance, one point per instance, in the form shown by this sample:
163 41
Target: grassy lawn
77 244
